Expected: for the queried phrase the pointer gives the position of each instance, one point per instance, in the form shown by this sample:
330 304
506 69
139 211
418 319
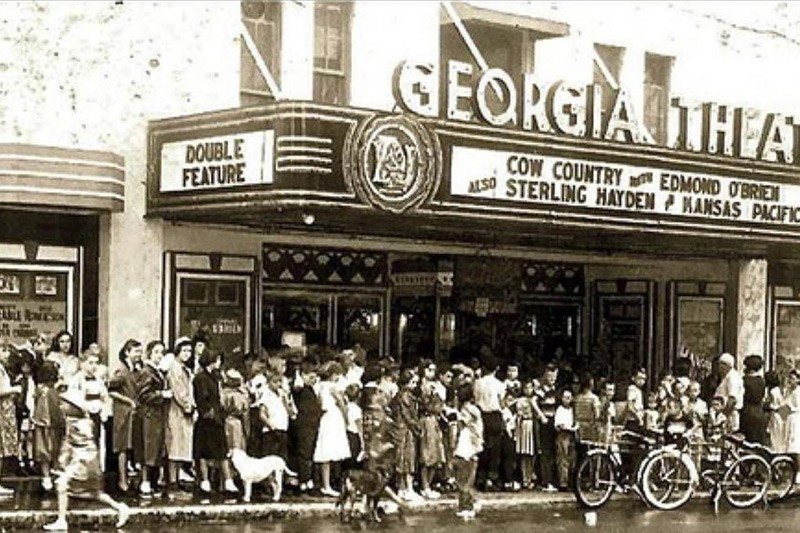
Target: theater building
424 178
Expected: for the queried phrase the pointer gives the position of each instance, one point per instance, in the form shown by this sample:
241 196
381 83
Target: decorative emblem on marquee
392 163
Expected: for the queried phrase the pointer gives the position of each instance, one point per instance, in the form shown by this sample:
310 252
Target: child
565 440
665 387
81 477
306 424
87 382
9 446
608 412
332 445
431 452
525 437
652 416
772 403
468 445
508 449
405 413
676 423
48 424
235 403
716 427
24 406
696 407
512 377
355 419
274 417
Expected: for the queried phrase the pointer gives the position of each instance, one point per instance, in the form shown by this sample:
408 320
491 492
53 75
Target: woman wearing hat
753 419
81 476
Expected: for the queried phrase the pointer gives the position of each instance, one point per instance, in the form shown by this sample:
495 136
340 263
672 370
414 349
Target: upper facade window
607 68
332 52
657 74
262 18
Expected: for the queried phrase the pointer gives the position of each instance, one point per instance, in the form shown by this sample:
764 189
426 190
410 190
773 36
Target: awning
543 28
63 178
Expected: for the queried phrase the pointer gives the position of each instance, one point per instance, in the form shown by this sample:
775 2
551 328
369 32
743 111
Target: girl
405 412
24 407
8 413
236 404
791 410
152 397
63 354
81 477
525 437
122 389
431 439
180 408
48 424
772 403
209 430
332 445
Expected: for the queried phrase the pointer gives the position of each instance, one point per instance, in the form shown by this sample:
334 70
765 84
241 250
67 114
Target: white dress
332 444
792 427
775 428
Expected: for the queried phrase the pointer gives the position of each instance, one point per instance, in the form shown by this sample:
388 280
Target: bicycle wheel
595 479
782 479
746 481
668 480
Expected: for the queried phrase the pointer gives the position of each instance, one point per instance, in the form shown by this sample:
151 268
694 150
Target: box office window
262 18
332 52
34 302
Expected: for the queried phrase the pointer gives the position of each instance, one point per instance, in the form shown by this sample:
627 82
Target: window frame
274 57
343 74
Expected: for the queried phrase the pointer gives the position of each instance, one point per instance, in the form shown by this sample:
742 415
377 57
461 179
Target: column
751 315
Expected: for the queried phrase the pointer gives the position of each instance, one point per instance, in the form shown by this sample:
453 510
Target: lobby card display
33 302
700 328
787 335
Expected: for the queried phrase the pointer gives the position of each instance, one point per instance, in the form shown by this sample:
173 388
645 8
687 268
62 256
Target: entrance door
623 326
552 331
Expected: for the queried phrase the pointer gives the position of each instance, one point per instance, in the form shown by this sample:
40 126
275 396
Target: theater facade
533 224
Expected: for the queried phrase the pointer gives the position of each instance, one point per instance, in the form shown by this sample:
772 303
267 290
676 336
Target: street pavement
29 508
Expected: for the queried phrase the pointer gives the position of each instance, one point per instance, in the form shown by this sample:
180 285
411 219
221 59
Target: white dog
253 470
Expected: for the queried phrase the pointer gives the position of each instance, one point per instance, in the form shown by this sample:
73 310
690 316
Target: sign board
32 303
533 178
213 163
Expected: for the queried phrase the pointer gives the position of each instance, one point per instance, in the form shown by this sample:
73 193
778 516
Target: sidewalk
28 510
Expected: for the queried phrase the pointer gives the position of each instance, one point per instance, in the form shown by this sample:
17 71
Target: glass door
295 318
358 321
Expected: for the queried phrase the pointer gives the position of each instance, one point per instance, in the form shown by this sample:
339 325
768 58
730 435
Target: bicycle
600 472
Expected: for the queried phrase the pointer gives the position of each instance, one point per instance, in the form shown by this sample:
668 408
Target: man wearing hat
731 388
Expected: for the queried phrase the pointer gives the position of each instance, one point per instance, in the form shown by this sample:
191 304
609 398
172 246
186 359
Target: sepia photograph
399 265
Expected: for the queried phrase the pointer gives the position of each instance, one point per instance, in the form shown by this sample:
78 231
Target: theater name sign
529 174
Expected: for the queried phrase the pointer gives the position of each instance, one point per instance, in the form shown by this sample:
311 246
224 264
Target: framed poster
218 305
786 333
35 299
700 322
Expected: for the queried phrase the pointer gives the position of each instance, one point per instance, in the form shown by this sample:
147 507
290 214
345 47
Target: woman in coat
122 389
152 397
209 430
180 410
754 420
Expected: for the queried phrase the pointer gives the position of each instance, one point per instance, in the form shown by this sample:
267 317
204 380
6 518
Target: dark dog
369 486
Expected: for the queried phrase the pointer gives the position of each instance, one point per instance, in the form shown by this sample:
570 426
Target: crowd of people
174 414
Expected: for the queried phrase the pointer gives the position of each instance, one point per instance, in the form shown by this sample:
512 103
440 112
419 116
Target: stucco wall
90 75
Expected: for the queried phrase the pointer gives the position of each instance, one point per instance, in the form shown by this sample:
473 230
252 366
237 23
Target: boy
468 445
81 477
92 389
565 440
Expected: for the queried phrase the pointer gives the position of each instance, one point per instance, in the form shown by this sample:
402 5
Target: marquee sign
559 108
532 178
219 162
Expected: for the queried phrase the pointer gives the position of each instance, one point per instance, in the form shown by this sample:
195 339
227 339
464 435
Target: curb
195 512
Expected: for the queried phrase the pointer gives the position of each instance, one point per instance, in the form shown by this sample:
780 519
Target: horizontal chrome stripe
304 168
303 159
63 176
308 149
303 139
